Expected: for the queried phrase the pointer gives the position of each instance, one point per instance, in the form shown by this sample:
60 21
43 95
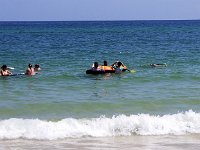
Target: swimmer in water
119 67
37 67
30 70
158 65
5 71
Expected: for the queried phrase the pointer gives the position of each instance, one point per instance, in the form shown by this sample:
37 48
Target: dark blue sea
64 106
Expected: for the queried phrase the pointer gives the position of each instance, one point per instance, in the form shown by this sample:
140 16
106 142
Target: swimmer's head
119 64
105 63
4 67
37 66
29 65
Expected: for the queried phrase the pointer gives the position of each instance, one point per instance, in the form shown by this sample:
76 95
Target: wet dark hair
37 65
4 67
29 65
119 64
96 64
105 63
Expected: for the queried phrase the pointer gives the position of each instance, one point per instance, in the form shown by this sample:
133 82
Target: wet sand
190 142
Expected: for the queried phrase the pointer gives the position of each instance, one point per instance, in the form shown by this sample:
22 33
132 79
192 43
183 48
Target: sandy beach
190 142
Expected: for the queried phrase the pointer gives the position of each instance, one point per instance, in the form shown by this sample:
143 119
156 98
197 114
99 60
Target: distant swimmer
96 66
5 71
30 70
119 66
37 67
105 63
158 65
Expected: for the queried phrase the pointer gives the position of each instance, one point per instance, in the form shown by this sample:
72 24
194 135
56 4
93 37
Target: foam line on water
122 125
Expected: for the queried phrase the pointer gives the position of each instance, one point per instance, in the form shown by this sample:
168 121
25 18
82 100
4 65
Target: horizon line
98 20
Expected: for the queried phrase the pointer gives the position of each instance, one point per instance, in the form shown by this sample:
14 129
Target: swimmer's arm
10 73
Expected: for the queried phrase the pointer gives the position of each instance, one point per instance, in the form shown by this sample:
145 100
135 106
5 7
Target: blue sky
72 10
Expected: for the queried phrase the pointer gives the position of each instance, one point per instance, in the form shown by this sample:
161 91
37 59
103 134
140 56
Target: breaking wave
122 125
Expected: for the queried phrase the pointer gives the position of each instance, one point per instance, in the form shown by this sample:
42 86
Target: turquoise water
65 50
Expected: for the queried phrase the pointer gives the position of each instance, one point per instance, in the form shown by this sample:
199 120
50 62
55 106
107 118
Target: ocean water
64 106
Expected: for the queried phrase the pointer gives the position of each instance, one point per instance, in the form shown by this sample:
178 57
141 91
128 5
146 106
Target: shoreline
129 142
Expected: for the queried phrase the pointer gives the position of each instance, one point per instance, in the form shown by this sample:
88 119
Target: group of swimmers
32 71
118 66
29 71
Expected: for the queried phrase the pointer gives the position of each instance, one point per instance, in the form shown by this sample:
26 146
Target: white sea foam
122 125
